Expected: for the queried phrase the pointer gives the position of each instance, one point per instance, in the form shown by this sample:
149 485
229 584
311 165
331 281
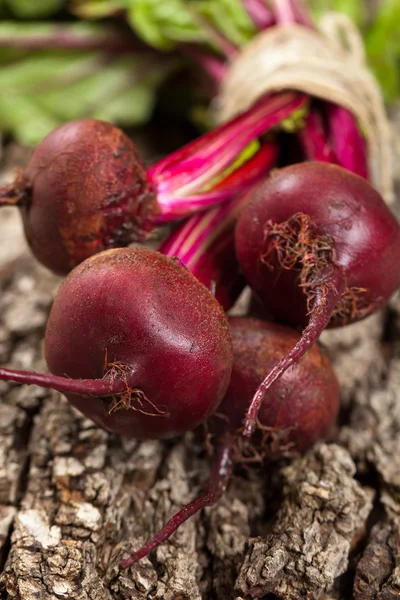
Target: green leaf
96 9
27 121
383 48
355 9
165 23
42 89
161 24
34 9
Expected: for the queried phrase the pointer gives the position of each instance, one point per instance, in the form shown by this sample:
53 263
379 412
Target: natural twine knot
328 64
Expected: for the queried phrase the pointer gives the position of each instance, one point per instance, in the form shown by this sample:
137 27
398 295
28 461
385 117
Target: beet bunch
139 340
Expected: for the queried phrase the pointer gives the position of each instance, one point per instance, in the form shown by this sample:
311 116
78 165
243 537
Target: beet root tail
108 386
324 304
220 475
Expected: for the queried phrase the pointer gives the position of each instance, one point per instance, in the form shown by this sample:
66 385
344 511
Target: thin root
132 398
298 247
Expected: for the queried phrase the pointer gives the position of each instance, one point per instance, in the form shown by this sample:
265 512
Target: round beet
84 190
309 222
300 407
137 344
319 247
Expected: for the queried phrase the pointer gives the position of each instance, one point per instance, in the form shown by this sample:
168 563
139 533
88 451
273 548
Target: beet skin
84 190
137 312
356 230
301 406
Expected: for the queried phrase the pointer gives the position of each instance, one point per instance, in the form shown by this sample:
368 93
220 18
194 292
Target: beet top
298 410
137 344
320 248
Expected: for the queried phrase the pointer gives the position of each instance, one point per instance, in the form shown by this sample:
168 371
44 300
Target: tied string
328 64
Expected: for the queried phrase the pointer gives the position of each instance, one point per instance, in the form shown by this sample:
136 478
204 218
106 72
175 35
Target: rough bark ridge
73 497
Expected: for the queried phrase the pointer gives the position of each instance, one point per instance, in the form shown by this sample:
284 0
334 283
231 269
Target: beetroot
300 407
85 188
298 410
320 248
137 344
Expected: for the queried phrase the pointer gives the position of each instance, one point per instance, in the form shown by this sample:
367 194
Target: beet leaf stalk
205 243
340 141
219 478
184 179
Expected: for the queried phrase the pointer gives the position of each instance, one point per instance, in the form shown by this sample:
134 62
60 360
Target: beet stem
65 38
219 477
312 137
326 297
259 13
291 11
108 386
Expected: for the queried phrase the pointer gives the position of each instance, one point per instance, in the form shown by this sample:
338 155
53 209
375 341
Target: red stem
187 170
348 143
219 477
292 11
324 304
314 140
259 13
65 39
108 386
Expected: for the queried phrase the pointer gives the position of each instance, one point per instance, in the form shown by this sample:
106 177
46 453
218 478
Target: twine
328 64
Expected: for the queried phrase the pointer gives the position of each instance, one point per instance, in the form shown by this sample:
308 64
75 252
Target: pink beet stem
231 186
291 11
324 304
108 386
66 38
188 170
259 13
314 140
347 141
344 140
220 475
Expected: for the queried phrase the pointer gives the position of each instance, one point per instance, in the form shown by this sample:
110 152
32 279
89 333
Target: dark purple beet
319 247
300 407
336 221
137 344
100 195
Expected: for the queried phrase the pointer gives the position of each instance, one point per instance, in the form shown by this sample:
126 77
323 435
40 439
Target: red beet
137 344
300 408
320 248
83 191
